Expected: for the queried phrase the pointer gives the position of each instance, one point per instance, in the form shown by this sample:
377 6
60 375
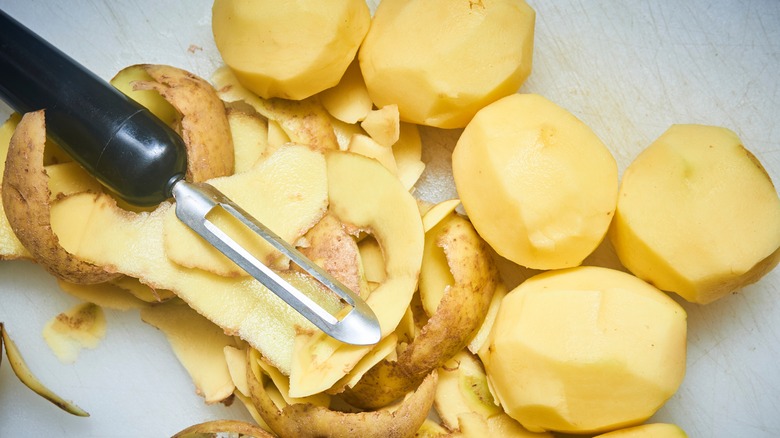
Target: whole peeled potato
441 61
697 214
289 49
536 182
585 350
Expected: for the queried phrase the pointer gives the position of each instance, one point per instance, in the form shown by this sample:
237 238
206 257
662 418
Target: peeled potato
697 214
416 52
537 183
653 430
290 49
585 350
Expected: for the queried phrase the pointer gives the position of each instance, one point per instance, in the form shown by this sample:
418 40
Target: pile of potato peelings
315 134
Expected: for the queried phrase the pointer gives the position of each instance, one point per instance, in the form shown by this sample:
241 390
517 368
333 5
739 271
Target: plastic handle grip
125 146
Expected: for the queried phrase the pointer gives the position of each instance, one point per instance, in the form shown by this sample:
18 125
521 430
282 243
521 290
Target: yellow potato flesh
383 125
372 260
82 326
697 214
348 101
537 183
408 154
125 81
304 122
344 132
435 275
368 147
365 195
236 360
142 291
463 389
289 49
306 420
198 344
479 339
585 350
438 212
654 430
250 139
384 348
68 178
10 246
415 52
106 295
473 425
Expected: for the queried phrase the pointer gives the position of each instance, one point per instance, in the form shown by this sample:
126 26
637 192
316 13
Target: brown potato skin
459 315
304 420
204 124
212 428
26 197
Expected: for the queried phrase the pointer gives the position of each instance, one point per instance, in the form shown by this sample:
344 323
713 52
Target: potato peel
306 420
82 326
20 368
26 198
204 124
10 247
337 253
458 317
304 121
219 428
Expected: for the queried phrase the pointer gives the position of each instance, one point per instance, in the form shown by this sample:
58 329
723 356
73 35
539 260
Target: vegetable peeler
140 159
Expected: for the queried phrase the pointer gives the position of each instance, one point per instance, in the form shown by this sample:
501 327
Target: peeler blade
194 202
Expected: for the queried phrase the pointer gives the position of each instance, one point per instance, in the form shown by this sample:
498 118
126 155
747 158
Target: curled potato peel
204 125
307 420
364 196
26 197
459 315
22 371
304 121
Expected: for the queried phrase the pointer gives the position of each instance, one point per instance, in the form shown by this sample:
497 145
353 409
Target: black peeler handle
124 145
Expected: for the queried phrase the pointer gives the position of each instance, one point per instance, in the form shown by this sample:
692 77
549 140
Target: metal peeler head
194 202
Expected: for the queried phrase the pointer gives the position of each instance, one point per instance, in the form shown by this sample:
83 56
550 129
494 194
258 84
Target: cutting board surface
628 69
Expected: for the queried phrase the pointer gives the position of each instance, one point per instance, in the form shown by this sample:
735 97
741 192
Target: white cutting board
628 69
